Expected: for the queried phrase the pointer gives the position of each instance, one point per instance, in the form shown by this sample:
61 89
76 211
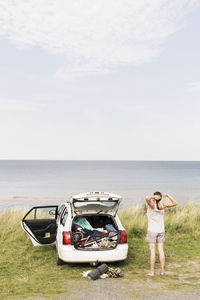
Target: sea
27 183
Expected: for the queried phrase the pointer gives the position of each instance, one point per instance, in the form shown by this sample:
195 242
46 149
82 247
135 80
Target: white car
86 228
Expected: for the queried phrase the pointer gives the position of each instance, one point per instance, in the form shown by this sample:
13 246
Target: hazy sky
100 79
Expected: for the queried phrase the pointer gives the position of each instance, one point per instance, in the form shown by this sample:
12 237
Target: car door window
42 213
64 216
30 215
45 213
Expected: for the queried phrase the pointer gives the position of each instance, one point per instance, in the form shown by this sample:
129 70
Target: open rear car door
40 224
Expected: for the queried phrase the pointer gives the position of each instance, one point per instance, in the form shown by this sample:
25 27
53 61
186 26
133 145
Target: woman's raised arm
173 201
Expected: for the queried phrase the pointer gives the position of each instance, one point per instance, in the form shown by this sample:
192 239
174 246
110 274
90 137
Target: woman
156 231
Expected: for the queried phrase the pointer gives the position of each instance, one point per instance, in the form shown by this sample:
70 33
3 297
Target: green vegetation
31 271
178 220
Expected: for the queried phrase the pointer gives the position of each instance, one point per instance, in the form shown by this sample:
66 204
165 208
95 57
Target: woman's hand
165 195
148 200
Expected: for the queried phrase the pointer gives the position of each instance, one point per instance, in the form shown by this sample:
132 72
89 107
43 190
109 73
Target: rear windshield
110 204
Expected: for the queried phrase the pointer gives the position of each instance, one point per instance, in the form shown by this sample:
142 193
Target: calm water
28 183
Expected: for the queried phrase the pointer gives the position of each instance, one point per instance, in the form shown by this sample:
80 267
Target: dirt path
181 282
112 289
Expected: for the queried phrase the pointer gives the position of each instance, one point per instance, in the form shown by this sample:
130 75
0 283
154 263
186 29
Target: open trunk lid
95 203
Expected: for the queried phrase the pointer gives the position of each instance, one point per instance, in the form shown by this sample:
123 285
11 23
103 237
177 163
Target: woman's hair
157 201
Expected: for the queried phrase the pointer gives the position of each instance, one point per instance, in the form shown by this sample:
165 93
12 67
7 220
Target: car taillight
66 238
123 237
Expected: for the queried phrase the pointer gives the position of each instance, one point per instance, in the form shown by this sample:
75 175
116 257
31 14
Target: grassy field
31 271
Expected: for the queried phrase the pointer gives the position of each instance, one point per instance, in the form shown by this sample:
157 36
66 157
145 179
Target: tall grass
178 220
31 271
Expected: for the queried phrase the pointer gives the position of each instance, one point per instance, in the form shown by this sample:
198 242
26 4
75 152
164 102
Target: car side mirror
52 212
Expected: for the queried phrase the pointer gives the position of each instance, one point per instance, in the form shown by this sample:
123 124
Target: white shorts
154 237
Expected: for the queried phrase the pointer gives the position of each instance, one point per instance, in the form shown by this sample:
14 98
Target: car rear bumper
68 253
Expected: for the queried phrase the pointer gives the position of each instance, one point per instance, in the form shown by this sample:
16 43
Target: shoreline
19 202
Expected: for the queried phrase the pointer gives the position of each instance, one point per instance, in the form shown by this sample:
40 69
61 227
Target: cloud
95 36
194 87
17 105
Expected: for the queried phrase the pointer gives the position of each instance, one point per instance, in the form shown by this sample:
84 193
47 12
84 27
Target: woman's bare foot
162 273
150 274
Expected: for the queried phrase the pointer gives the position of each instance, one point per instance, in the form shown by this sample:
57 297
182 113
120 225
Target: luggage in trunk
94 232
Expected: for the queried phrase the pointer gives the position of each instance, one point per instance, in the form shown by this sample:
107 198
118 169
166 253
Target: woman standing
156 230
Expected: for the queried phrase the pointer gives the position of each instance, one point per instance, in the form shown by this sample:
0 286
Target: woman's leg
162 257
152 257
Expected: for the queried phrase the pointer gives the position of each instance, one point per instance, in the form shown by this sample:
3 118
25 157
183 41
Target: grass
31 271
181 219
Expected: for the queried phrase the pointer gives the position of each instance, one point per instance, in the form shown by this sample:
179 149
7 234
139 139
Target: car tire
59 262
94 263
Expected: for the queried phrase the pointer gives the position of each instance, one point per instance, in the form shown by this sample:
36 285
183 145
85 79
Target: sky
100 79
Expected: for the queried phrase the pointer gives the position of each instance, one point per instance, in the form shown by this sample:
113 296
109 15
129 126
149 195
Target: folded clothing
110 227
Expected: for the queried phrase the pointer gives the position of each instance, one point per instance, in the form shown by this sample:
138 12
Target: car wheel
94 263
59 262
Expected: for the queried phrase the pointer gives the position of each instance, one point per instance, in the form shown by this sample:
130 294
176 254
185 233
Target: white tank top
155 219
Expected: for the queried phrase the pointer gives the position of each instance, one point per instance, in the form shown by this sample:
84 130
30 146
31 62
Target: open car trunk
95 202
94 232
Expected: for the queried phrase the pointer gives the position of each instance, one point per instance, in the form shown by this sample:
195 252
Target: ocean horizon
25 183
